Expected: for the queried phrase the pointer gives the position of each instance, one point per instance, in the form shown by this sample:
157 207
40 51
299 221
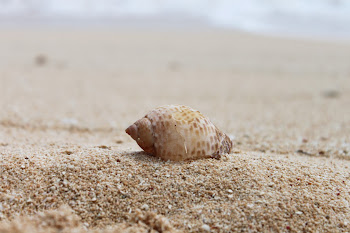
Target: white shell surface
181 133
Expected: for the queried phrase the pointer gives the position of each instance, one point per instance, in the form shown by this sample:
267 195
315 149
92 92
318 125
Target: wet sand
66 163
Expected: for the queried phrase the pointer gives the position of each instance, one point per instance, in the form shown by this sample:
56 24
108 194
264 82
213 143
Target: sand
66 164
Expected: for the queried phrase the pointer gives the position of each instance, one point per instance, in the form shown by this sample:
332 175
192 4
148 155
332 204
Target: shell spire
177 132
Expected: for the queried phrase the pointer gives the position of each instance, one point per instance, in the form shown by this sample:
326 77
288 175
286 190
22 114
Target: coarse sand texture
67 165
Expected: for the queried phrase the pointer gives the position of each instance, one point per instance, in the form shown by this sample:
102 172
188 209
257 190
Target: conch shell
177 132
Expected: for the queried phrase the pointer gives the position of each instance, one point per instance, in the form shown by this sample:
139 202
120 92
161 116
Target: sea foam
330 18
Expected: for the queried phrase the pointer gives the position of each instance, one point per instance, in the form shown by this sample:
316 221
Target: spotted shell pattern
177 132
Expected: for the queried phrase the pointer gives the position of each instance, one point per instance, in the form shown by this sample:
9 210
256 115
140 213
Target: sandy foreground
66 164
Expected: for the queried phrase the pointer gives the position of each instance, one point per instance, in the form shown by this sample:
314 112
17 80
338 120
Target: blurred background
328 18
274 74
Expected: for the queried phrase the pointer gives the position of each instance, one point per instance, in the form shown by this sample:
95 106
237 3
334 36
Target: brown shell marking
177 132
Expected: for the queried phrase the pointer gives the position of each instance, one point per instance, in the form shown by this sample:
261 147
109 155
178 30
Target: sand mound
240 191
63 220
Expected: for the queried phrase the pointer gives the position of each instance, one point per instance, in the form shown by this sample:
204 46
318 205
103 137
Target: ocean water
316 18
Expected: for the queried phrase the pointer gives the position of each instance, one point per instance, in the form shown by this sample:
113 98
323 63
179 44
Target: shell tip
132 131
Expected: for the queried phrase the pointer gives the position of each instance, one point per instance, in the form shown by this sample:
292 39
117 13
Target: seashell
177 132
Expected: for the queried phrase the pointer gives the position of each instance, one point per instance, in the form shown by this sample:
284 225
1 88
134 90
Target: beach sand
66 164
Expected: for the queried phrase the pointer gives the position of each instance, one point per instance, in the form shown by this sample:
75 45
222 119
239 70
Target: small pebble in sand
331 93
205 227
145 207
303 152
40 60
174 65
104 147
177 132
67 152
